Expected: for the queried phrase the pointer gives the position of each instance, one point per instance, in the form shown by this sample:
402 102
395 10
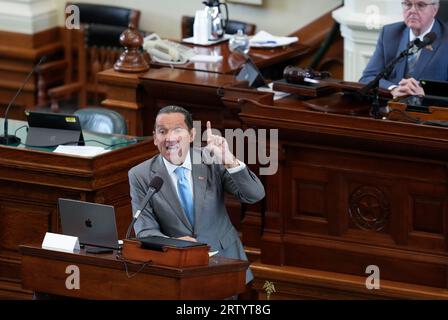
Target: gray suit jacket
164 215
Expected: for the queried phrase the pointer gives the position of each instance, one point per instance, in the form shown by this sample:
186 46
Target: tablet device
48 129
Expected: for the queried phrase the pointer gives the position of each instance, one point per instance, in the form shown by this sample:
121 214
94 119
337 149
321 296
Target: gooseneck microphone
154 187
412 48
418 44
7 139
429 39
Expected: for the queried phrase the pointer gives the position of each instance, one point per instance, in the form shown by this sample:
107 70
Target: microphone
154 187
418 44
7 139
428 39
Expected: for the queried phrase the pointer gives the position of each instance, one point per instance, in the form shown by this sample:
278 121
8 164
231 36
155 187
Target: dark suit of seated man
430 63
190 205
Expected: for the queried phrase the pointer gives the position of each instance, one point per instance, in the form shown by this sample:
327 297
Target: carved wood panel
23 223
339 203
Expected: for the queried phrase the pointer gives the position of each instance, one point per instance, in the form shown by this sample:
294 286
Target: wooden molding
302 283
29 41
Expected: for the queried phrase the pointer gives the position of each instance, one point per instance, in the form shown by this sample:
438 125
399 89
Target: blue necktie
412 60
185 194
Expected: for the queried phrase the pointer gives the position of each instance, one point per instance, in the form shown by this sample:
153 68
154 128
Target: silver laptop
93 223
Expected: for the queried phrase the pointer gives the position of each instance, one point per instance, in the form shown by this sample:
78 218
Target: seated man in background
430 63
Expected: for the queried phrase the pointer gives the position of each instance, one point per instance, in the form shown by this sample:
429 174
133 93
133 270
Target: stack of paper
205 58
264 39
81 151
277 94
212 253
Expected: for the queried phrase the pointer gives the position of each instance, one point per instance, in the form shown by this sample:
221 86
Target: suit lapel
199 176
401 65
427 54
168 192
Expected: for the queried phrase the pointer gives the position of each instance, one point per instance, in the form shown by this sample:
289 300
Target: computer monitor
94 224
52 129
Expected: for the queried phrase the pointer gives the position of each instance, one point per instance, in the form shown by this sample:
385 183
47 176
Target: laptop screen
94 224
435 88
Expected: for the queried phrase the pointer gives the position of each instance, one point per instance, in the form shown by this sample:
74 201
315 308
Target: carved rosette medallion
369 208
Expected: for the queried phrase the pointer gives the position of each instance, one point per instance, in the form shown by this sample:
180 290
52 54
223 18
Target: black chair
102 120
232 27
107 15
443 12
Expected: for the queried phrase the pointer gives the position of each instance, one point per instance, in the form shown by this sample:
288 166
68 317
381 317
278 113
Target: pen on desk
265 42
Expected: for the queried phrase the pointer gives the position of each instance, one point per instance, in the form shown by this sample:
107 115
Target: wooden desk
195 86
232 61
31 182
353 191
104 277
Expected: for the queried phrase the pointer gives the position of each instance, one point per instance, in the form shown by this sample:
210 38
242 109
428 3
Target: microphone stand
7 139
155 185
375 83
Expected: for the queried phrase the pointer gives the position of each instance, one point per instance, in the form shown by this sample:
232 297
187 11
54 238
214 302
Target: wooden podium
168 255
106 276
352 192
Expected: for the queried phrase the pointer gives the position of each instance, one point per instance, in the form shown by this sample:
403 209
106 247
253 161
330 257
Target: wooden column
28 31
124 96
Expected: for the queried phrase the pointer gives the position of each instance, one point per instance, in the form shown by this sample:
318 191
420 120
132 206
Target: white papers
264 39
205 58
212 253
81 151
192 40
277 94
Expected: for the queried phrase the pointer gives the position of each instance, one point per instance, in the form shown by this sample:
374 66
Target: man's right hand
408 87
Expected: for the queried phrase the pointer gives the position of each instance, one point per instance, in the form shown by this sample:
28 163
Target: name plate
60 242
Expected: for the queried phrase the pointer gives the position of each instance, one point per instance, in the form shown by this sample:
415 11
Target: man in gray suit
190 205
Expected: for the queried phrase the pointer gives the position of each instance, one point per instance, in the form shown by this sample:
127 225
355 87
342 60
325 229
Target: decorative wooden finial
131 60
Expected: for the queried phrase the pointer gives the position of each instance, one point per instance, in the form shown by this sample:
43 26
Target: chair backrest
104 24
102 120
232 27
108 15
443 12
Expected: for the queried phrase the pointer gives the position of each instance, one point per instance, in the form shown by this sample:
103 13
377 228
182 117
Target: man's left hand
408 87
